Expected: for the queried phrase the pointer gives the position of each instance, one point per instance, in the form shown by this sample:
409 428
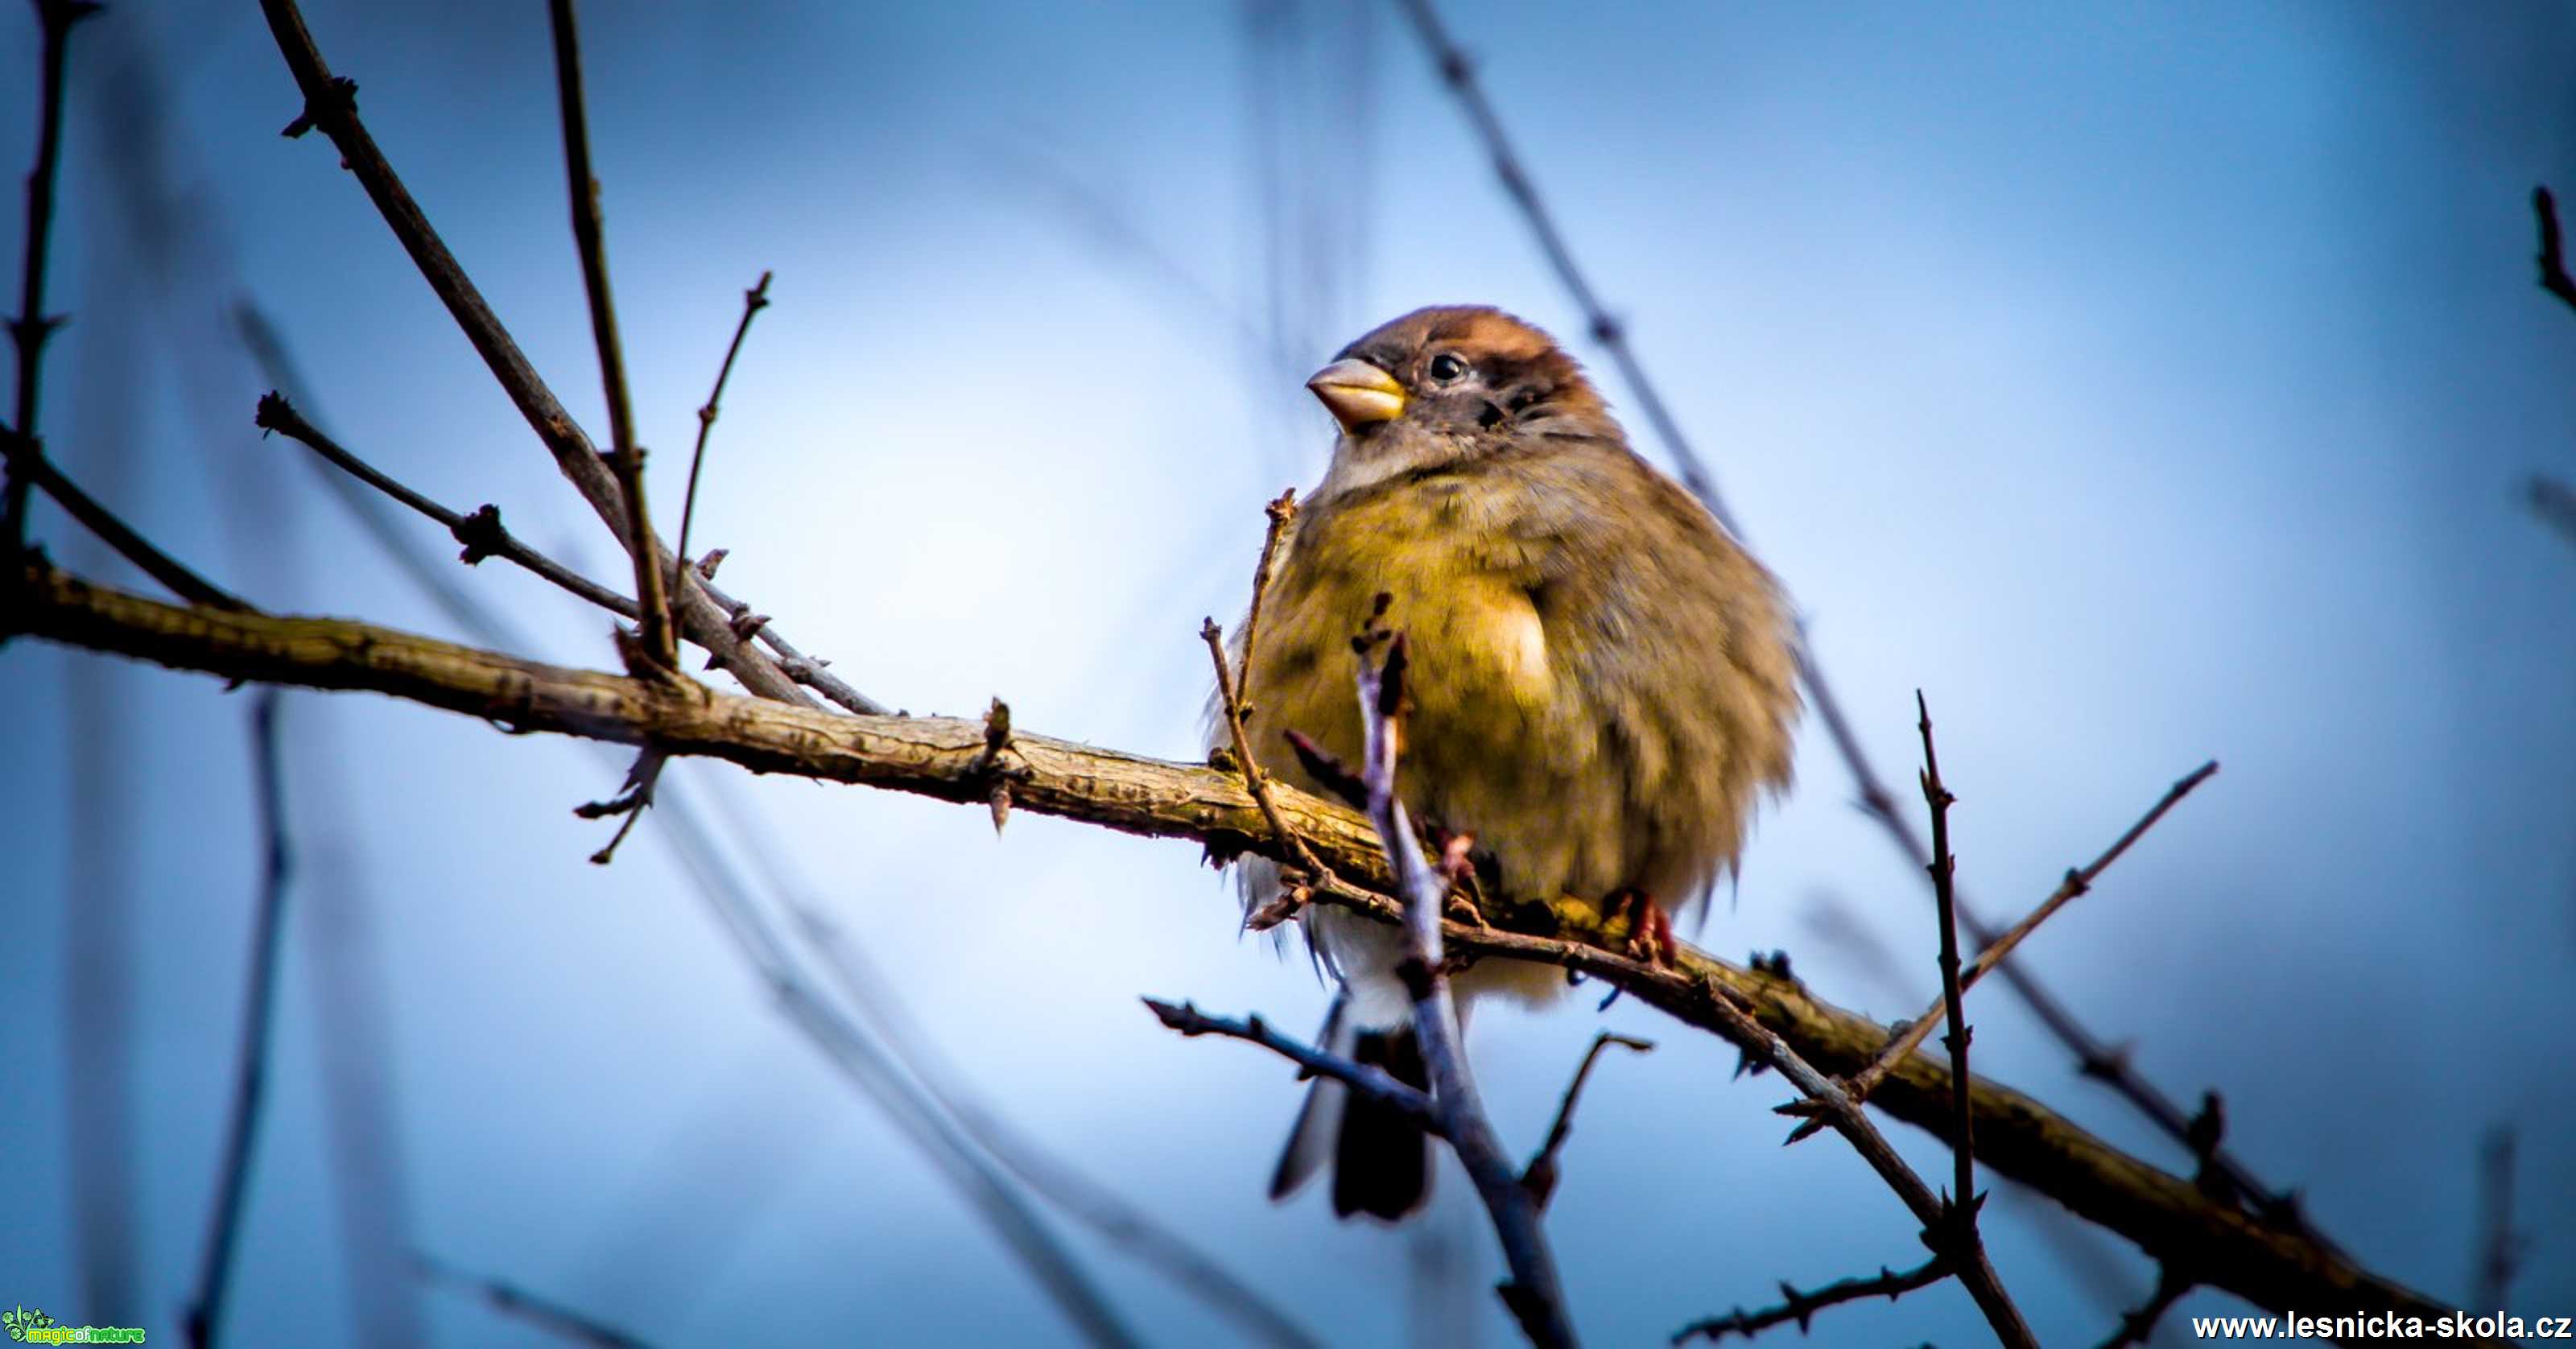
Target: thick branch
944 758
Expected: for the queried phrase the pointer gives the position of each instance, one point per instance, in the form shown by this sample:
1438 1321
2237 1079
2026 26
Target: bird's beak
1358 394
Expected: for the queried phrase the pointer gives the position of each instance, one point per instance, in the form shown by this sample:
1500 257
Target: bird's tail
1381 1158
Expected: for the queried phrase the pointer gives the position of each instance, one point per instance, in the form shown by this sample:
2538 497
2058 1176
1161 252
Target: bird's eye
1447 368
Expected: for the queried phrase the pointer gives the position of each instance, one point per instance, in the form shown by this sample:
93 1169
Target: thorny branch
1802 1307
29 331
2095 1058
2166 1215
1961 1238
2077 882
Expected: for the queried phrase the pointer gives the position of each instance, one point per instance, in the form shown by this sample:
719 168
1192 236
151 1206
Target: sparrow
1602 680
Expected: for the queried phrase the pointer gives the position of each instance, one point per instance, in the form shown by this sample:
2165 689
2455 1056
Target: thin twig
1365 1078
28 459
753 301
655 623
2553 249
481 532
33 326
250 1072
1944 868
1534 1295
1802 1307
1832 1104
633 796
1234 697
1993 952
516 1302
1540 1176
331 105
2096 1058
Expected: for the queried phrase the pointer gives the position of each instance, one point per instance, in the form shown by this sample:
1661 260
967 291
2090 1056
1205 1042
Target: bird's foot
1650 929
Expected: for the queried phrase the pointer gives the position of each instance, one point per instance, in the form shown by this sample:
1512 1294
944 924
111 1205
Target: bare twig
55 19
1539 1177
1234 698
2138 1325
1944 868
2499 1245
626 457
1366 1078
29 462
2167 1215
2096 1058
1830 1103
1992 954
1534 1295
753 301
331 105
481 532
250 1070
518 1303
2553 249
1802 1307
633 796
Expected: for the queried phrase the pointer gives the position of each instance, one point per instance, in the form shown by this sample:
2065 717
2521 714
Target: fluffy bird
1602 679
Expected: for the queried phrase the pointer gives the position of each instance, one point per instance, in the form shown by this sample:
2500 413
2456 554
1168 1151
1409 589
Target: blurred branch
331 104
1802 1307
626 457
250 1073
1059 1182
2139 1326
2499 1245
2553 249
2095 1058
2165 1215
2555 503
55 20
518 1303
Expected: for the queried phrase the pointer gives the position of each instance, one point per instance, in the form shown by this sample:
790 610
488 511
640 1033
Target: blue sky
2147 386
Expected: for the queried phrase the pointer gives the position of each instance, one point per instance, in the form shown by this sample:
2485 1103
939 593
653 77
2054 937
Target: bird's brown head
1451 383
